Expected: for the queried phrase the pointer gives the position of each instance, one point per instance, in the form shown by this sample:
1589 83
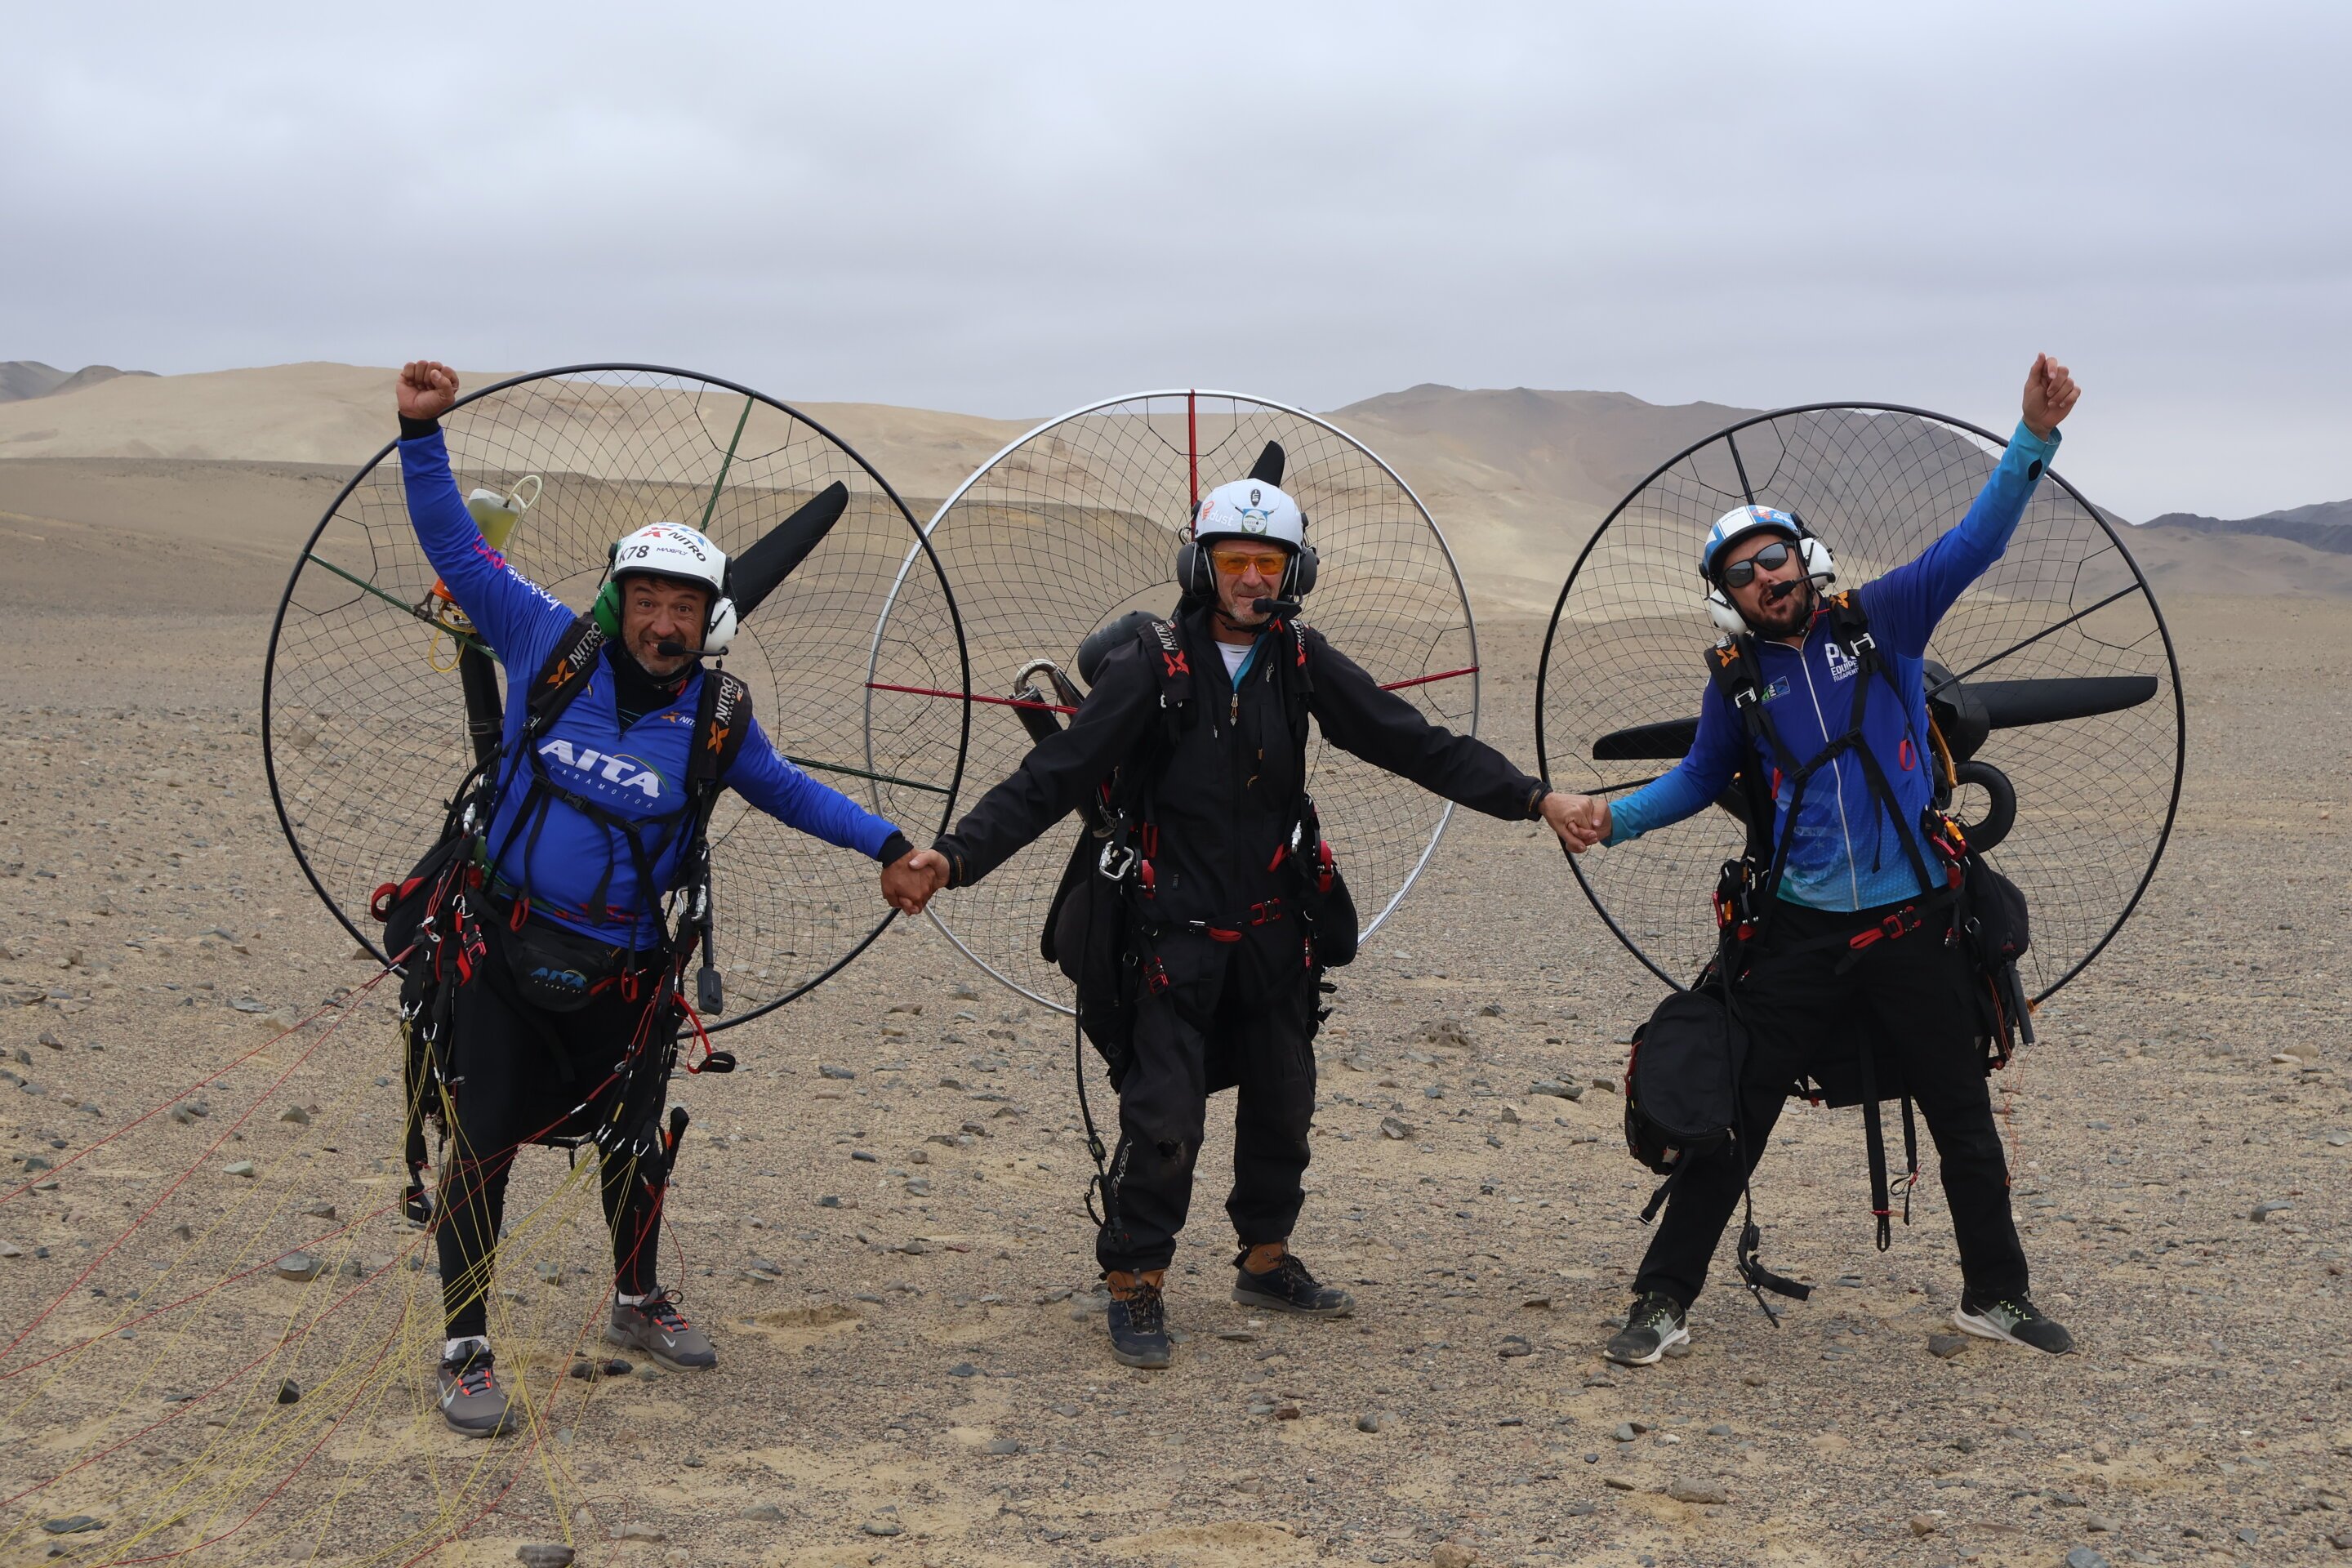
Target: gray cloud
1011 211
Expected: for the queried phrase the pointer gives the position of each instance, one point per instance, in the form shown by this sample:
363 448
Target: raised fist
2050 395
427 389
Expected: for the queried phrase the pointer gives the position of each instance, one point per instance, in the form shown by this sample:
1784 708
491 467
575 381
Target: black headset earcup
1187 566
1303 566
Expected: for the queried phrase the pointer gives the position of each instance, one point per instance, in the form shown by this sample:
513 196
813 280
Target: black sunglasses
1771 558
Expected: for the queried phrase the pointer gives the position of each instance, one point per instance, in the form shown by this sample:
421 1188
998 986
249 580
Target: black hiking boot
471 1400
1138 1318
2012 1318
1653 1327
1272 1277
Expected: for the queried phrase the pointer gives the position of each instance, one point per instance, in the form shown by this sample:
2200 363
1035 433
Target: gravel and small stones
1710 1492
72 1524
290 1392
544 1556
1396 1127
588 1370
300 1267
2262 1212
1944 1347
2083 1557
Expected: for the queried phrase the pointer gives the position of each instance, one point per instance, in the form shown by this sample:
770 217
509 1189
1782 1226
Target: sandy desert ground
898 1275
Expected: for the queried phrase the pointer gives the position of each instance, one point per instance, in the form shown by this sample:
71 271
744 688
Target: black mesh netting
364 722
1080 521
2095 795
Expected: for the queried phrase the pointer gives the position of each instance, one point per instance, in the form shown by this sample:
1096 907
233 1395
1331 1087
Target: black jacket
1224 799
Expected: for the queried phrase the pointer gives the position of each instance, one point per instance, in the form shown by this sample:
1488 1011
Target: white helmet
687 555
1250 509
1736 525
1740 522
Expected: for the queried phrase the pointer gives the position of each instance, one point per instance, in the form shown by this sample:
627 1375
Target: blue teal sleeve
520 619
1905 604
762 776
1692 784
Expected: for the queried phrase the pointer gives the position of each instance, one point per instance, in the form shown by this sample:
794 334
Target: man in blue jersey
589 831
1854 861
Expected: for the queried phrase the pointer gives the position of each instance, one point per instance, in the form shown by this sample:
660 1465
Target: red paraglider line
170 1101
324 1035
1425 679
1059 708
1192 446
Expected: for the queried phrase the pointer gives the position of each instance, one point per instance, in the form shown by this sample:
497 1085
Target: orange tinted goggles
1234 562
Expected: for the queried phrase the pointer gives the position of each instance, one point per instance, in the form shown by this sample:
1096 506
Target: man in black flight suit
1227 996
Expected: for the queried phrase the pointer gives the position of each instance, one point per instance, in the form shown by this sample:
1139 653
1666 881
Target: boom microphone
1276 607
668 649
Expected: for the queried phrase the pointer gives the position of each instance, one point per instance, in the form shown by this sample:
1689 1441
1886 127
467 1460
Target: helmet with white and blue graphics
1740 522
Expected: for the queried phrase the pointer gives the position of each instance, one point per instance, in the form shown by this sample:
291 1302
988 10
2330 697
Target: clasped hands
1581 820
909 881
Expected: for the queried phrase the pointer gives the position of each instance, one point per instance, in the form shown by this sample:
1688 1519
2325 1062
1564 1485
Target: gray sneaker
1652 1328
471 1400
656 1327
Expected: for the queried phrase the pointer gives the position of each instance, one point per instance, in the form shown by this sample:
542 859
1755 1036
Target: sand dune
1516 478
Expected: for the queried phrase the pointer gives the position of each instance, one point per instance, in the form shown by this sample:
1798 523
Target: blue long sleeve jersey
1844 855
635 772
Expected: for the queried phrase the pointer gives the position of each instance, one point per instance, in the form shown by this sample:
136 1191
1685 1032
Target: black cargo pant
1239 1016
521 1074
1914 999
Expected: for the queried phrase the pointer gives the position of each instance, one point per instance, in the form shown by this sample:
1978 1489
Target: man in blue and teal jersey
1852 856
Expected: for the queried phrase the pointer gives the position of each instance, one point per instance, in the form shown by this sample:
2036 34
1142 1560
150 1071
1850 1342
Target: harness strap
1875 1138
1910 1155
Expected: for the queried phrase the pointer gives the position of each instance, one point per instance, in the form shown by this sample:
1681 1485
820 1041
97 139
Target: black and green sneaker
1652 1327
1287 1287
2015 1320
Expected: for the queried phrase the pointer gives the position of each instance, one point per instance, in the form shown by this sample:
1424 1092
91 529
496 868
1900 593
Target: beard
1242 614
1787 615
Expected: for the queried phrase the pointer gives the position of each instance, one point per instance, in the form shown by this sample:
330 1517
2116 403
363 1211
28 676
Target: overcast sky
1012 210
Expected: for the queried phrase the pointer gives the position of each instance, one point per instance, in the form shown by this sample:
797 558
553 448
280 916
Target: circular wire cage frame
2062 637
364 724
1078 522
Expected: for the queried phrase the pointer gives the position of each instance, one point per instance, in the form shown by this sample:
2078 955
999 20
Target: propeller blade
2010 704
759 571
1268 468
1667 741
